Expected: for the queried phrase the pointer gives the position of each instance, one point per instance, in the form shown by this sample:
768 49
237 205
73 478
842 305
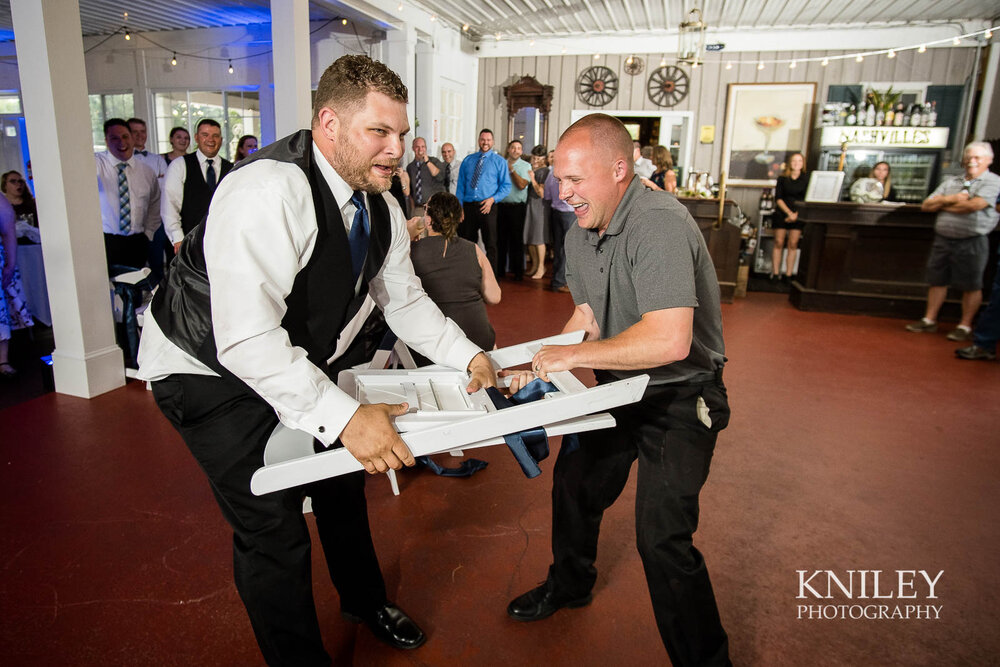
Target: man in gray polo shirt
647 296
965 215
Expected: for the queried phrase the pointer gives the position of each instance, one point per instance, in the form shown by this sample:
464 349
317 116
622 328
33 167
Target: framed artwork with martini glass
765 123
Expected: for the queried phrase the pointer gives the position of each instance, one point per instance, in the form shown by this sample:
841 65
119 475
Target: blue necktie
210 175
418 191
358 238
479 169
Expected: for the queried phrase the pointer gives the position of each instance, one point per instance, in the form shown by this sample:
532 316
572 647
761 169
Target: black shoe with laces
542 602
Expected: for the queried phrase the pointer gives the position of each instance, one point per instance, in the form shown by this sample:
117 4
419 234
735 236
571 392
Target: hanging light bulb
922 49
433 18
497 36
343 21
628 61
400 8
956 41
597 56
173 61
729 65
859 58
125 15
694 65
564 50
531 43
825 62
792 65
231 70
128 35
988 34
465 27
760 65
663 61
891 54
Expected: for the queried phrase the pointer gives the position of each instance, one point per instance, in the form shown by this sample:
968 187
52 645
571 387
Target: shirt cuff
461 354
330 417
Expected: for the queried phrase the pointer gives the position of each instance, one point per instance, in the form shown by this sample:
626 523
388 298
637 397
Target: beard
356 169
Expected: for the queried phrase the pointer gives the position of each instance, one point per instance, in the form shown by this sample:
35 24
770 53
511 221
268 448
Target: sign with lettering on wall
886 137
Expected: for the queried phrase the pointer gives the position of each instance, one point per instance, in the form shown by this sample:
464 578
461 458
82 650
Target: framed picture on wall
765 123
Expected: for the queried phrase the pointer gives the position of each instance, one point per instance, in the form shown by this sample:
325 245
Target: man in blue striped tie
483 180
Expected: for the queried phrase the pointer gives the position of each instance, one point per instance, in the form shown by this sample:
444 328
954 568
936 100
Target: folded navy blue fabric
467 468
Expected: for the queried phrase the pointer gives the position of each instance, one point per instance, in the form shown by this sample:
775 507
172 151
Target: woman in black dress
455 273
785 222
180 140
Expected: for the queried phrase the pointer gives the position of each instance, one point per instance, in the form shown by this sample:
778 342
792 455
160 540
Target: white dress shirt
644 167
260 234
143 194
173 192
156 162
453 174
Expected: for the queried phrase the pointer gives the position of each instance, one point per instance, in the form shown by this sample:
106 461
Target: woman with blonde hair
791 188
455 272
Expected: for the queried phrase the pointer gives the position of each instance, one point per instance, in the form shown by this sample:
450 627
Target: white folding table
443 417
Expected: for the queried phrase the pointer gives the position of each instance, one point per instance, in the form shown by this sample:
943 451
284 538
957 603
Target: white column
292 69
424 98
87 362
399 55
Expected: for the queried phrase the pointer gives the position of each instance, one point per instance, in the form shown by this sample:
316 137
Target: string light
465 27
128 36
826 61
343 21
760 65
597 56
231 70
628 61
663 62
792 65
859 58
922 49
891 54
173 61
564 49
400 8
531 43
729 65
956 41
988 34
497 36
433 18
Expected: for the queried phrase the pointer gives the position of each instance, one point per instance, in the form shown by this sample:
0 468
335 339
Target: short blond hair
606 133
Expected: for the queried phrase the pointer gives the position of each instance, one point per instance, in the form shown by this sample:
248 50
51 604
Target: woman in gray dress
455 273
536 222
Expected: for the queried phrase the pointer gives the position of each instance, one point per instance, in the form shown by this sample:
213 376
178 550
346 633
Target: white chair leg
392 481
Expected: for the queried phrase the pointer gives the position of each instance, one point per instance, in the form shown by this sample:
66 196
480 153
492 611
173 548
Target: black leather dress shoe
541 603
391 625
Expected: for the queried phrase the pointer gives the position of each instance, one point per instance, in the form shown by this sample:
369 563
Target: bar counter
723 240
865 258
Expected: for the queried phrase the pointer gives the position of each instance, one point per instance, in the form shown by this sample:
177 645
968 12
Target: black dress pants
476 222
510 240
226 425
131 251
674 449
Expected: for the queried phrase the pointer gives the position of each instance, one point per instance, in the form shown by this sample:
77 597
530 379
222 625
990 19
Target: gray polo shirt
967 225
652 257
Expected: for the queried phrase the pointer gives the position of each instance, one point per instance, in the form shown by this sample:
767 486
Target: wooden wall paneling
707 102
487 78
567 100
935 65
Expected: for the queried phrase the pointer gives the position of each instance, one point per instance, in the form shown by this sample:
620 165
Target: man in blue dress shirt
483 180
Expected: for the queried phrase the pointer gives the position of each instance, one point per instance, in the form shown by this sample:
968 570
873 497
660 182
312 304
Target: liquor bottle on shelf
880 118
900 119
890 117
870 115
842 116
852 115
916 118
932 115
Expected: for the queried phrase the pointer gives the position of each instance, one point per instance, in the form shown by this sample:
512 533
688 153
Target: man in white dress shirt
186 198
129 196
262 309
156 162
451 166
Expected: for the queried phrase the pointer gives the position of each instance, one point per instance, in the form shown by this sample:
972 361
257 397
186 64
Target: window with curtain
105 106
238 112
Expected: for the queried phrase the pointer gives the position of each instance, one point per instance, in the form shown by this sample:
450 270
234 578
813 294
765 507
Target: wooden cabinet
723 240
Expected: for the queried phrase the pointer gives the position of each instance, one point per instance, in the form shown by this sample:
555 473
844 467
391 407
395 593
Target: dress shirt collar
115 161
202 158
342 192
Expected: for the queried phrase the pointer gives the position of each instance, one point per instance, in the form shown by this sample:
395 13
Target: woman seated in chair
455 273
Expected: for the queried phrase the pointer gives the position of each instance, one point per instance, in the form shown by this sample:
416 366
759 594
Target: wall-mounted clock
597 86
667 85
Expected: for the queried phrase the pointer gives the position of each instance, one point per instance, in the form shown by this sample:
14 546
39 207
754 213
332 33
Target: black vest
322 299
197 194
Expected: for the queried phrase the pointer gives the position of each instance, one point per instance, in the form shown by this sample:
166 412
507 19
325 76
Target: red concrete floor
853 445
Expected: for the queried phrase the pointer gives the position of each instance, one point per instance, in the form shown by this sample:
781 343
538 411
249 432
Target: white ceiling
528 19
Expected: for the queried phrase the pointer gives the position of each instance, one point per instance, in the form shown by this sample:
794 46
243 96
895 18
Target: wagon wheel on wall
667 86
597 86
